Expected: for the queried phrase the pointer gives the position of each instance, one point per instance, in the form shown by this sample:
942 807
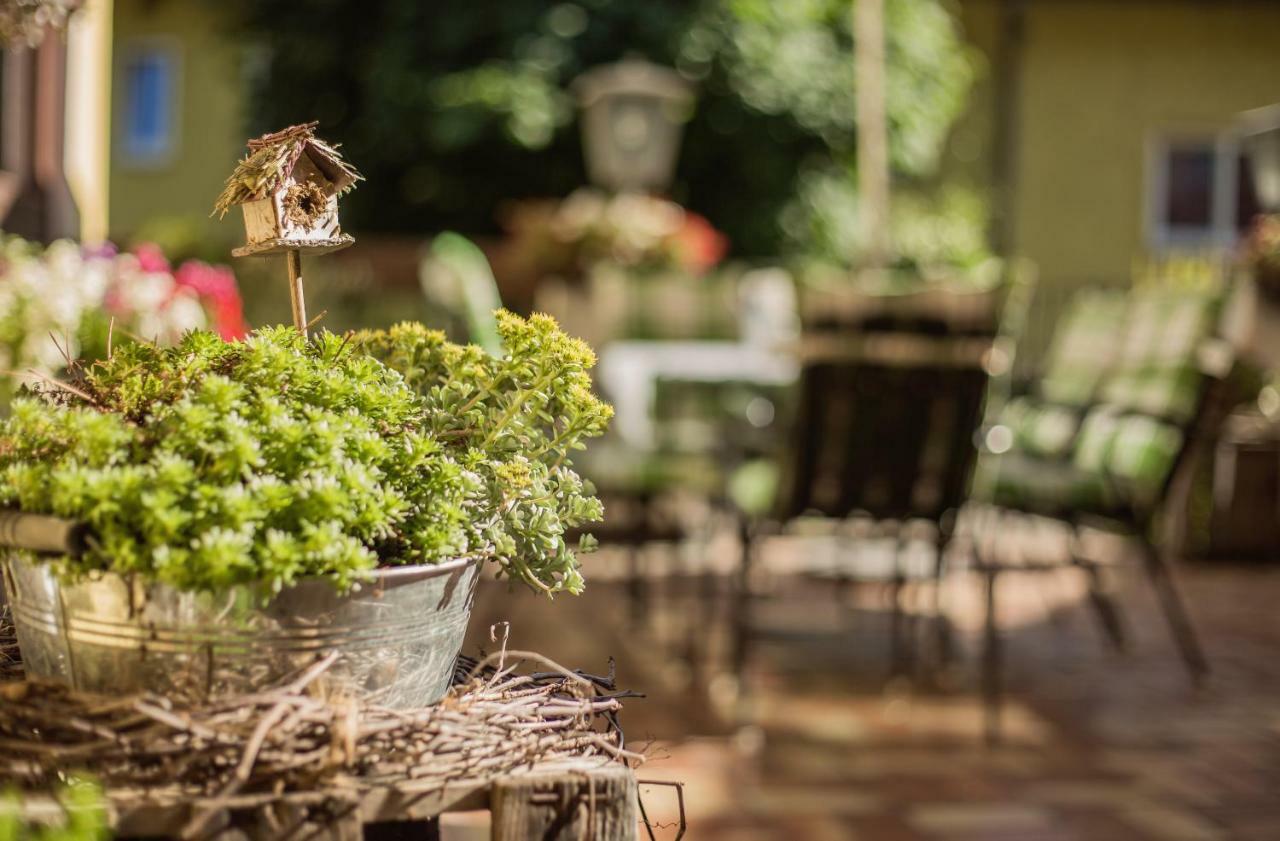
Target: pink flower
102 250
218 292
151 258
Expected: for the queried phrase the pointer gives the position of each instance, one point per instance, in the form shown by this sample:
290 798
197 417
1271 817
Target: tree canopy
450 109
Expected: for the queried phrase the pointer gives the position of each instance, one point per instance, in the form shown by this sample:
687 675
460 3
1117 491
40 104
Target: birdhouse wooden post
288 188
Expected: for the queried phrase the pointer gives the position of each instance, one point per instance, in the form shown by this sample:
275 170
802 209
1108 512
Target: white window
149 103
1200 192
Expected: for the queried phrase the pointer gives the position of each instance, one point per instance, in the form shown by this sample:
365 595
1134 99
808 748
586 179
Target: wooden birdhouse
288 188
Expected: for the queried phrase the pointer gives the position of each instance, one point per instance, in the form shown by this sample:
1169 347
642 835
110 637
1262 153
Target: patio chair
887 414
1132 387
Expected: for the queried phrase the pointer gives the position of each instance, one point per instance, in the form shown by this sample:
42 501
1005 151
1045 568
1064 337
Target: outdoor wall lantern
633 114
1260 137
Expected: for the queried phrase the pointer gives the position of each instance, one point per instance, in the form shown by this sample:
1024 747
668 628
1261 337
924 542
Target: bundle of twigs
492 722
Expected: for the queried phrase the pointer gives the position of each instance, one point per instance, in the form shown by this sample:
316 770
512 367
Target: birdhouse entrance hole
305 204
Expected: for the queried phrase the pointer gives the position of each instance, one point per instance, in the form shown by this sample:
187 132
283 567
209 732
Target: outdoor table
631 370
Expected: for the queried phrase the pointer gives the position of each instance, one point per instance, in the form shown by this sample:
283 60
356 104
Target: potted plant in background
615 265
1251 316
940 268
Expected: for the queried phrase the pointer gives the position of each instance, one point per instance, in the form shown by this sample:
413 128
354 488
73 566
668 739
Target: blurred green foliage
942 225
450 109
83 807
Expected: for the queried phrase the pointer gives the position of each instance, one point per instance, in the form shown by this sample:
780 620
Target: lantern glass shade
1260 139
633 114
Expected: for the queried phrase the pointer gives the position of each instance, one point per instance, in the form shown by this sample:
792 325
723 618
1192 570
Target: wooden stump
600 805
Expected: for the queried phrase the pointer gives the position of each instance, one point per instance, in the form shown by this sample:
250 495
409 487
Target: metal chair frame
838 464
1137 523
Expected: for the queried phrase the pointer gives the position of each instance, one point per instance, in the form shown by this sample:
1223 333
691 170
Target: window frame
1221 231
130 51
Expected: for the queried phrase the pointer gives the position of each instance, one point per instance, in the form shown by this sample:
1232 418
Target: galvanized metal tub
397 635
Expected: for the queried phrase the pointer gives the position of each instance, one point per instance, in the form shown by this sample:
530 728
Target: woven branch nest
287 739
272 158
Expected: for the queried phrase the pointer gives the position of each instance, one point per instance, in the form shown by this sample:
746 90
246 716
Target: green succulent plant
217 463
515 420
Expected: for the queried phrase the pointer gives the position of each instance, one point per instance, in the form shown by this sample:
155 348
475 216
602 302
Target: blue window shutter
149 105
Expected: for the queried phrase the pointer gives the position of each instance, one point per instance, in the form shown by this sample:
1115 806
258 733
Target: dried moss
305 203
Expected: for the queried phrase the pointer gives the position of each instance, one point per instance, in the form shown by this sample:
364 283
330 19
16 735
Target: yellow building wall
210 111
1094 84
1101 80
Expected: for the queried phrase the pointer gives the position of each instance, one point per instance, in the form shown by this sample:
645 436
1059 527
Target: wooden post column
35 199
872 131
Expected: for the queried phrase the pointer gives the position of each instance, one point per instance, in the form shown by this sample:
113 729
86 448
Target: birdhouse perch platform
280 245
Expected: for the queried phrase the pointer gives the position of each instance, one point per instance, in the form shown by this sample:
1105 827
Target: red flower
216 287
151 258
699 246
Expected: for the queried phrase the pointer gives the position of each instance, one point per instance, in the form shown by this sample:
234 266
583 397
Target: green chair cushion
1157 368
1047 486
1119 461
1135 453
1171 392
1134 371
1041 429
1084 347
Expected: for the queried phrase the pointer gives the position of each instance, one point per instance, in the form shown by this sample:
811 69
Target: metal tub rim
403 617
397 575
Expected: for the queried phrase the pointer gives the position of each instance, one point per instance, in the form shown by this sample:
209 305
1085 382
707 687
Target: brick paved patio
1098 745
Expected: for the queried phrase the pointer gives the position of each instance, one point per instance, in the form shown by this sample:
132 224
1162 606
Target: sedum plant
217 463
514 421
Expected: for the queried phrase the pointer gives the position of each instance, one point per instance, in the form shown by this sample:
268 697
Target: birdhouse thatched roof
273 156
